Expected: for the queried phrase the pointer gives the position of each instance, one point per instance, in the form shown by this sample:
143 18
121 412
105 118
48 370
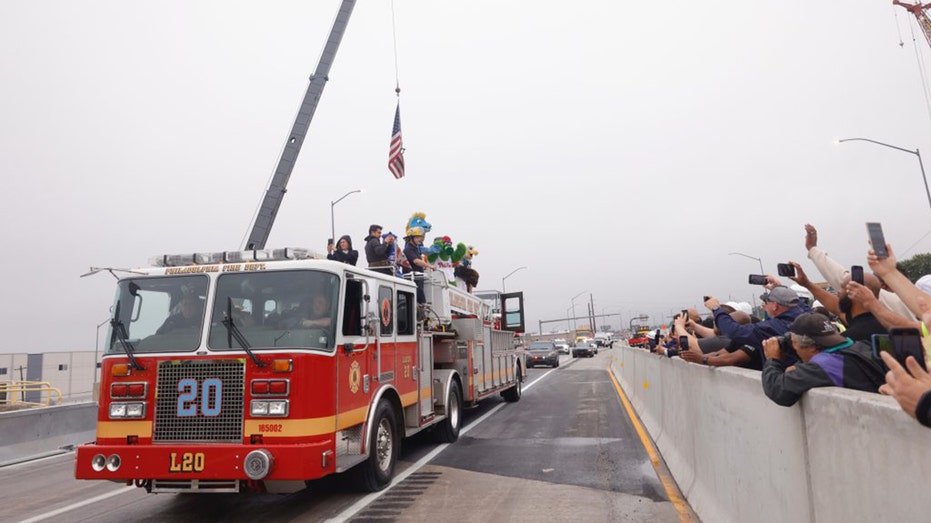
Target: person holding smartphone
833 272
861 322
827 359
343 252
885 268
909 385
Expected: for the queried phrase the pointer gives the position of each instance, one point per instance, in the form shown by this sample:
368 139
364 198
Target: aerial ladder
268 210
918 10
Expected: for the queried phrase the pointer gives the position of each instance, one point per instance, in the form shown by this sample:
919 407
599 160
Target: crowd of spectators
809 335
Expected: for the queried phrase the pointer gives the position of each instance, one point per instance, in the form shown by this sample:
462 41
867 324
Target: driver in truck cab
312 313
187 315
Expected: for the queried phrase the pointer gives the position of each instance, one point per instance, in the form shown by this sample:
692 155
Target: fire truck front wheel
448 429
376 472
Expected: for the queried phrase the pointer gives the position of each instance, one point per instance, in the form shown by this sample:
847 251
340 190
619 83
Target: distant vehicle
563 347
604 339
542 353
584 349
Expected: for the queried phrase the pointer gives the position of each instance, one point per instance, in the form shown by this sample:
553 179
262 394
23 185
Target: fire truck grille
199 400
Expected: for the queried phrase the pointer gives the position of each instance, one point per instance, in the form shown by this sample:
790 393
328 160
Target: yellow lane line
672 490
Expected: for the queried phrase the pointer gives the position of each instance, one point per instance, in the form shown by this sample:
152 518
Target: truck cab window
405 313
352 310
160 314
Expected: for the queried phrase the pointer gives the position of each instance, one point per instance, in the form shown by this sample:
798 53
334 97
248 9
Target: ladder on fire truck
268 210
918 10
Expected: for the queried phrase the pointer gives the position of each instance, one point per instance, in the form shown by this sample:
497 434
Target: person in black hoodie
376 252
343 251
827 359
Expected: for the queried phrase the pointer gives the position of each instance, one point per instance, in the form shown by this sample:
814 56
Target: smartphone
856 274
683 343
877 240
785 269
881 343
906 342
685 313
329 241
705 298
757 279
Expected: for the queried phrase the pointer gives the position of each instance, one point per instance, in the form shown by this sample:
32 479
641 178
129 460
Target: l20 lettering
188 462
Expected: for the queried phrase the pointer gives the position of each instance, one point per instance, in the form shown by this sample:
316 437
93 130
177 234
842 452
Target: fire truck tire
376 472
513 394
448 429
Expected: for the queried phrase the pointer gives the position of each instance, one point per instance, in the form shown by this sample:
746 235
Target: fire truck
263 369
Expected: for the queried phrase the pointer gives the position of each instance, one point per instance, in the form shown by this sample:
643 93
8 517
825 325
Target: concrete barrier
838 455
36 431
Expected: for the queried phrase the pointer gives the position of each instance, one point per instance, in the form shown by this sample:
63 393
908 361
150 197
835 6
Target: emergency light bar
254 255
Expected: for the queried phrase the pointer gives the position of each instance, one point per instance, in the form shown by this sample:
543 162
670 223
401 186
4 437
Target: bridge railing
838 455
13 394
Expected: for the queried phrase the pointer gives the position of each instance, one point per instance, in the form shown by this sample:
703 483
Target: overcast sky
621 149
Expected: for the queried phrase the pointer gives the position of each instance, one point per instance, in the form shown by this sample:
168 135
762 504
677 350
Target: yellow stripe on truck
121 429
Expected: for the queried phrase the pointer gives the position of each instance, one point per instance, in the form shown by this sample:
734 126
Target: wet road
566 451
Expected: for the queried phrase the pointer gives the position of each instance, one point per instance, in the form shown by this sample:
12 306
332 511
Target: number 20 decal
187 397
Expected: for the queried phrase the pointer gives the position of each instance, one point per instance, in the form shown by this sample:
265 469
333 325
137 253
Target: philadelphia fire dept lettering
187 397
189 462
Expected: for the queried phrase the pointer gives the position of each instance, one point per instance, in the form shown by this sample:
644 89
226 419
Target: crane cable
394 36
921 70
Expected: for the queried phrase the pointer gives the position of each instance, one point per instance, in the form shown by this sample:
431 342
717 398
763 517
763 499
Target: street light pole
752 258
574 324
508 276
332 219
916 152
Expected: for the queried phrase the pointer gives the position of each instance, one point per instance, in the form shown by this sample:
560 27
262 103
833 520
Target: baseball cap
781 295
817 327
924 283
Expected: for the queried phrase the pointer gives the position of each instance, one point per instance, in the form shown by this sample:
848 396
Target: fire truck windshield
160 314
276 309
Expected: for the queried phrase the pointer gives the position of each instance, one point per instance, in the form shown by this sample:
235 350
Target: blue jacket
753 334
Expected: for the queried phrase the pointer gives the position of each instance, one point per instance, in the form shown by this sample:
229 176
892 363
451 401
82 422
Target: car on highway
562 346
542 353
584 348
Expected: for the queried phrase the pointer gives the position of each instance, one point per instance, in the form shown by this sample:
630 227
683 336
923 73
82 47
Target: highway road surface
567 451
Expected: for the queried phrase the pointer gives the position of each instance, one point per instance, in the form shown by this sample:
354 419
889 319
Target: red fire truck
266 368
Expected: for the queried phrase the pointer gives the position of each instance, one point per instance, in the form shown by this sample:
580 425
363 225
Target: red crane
918 10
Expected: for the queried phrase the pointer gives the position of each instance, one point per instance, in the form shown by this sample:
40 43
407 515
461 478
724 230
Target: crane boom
265 218
918 10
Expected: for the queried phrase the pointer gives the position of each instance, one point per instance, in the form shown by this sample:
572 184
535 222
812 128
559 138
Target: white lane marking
364 502
346 514
31 462
80 504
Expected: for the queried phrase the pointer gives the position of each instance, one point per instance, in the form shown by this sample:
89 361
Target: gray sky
618 148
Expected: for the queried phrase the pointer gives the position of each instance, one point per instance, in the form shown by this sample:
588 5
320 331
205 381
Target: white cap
924 283
802 292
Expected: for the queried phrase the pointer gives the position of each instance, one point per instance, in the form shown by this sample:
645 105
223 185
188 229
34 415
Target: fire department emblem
355 376
386 312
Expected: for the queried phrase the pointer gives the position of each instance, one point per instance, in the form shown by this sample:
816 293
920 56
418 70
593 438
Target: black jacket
350 257
853 367
376 252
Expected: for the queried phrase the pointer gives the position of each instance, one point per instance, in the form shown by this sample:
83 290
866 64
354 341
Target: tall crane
918 10
265 218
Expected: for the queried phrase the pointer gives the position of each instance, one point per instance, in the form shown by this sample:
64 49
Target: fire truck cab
265 369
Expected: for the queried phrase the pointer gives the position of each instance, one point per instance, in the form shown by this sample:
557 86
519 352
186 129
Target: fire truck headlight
135 410
258 464
117 410
259 408
278 408
98 462
114 462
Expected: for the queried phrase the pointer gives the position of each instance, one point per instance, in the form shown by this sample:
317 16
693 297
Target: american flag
396 151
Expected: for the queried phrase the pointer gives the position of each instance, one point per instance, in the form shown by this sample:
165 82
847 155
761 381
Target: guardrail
13 394
838 455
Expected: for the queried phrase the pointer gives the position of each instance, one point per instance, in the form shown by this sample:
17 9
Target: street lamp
915 152
508 276
574 325
752 258
333 204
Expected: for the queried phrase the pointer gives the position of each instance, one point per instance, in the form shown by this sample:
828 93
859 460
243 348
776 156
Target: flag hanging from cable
396 151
